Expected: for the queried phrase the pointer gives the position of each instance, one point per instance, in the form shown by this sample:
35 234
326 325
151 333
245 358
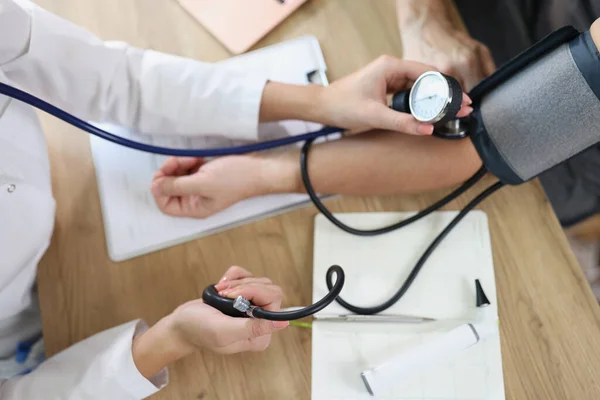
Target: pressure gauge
435 98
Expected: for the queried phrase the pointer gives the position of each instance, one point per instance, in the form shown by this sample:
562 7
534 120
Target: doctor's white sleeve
113 82
98 368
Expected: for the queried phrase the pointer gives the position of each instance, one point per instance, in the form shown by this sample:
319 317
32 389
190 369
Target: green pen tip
301 324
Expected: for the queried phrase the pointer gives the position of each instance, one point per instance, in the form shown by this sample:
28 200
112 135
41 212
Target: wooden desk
550 323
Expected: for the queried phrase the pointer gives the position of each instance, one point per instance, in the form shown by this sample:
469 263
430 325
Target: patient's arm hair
376 163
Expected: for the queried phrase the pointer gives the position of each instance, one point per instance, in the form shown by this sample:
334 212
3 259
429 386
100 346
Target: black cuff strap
586 57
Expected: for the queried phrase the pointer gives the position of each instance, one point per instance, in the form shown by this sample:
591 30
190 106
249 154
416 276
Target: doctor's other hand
434 39
359 101
196 326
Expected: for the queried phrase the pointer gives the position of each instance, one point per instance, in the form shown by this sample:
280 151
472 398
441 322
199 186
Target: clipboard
239 24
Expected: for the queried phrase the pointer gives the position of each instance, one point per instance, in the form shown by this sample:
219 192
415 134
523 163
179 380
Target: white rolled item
442 348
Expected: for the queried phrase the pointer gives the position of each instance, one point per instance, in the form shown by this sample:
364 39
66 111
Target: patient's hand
191 187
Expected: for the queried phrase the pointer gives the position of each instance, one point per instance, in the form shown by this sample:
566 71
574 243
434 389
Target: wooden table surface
550 322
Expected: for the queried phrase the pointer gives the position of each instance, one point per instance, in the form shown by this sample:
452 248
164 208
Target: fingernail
279 324
425 129
469 109
469 101
221 286
224 293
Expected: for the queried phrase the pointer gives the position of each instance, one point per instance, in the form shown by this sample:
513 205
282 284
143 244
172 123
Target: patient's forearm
376 163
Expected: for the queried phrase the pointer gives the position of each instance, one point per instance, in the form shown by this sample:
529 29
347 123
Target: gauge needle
429 97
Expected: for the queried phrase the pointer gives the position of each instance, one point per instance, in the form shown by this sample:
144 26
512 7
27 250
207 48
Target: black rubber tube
373 232
334 291
417 268
336 288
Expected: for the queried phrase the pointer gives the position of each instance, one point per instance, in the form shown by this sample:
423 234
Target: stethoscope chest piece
454 129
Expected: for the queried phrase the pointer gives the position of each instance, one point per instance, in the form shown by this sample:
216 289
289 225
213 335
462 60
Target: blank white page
375 268
132 222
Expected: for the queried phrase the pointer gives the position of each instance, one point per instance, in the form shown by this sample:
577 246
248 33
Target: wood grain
550 322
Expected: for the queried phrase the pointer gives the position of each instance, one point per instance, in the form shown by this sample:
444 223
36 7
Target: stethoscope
434 98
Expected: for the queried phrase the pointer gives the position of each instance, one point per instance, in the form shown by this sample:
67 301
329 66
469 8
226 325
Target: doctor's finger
408 70
466 100
464 111
256 328
399 72
465 108
235 273
385 118
268 297
232 330
233 283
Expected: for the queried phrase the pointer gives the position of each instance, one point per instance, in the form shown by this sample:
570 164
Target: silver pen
376 318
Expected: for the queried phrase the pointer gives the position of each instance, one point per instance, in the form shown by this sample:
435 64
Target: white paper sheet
445 289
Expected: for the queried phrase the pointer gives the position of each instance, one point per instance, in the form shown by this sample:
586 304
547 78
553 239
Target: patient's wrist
280 173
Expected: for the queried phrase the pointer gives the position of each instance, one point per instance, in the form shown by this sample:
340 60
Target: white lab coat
149 91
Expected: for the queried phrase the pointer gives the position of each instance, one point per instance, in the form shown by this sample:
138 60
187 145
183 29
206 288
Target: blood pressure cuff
540 109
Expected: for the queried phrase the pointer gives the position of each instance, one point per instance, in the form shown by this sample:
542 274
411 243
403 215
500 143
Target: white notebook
133 224
445 290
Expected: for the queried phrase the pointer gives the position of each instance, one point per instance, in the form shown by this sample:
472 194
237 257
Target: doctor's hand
196 326
357 102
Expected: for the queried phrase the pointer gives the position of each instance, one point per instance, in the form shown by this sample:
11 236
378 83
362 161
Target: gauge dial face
429 97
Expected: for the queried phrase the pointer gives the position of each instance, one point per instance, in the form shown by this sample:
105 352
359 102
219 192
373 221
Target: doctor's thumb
176 186
387 118
261 327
